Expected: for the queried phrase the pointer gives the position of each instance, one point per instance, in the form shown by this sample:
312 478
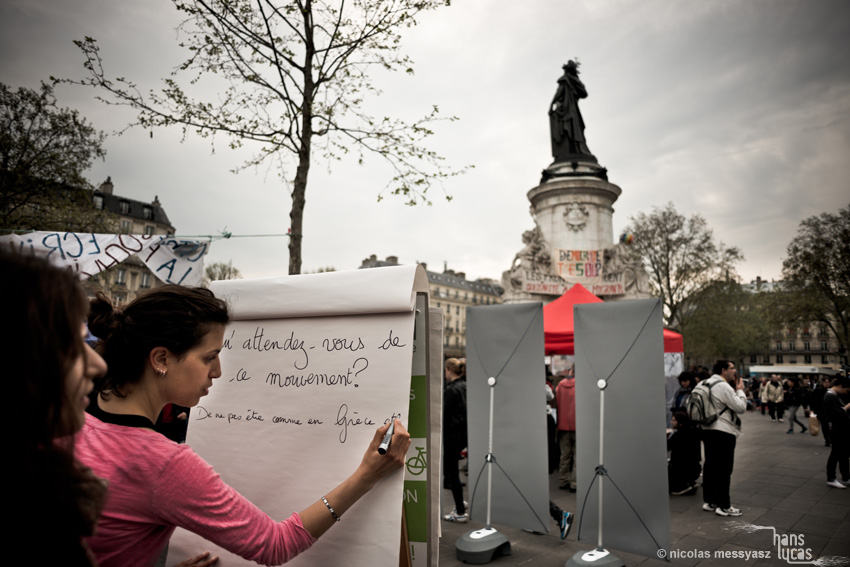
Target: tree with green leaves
817 275
681 257
727 321
297 74
44 151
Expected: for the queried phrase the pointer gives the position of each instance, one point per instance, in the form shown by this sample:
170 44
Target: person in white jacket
719 438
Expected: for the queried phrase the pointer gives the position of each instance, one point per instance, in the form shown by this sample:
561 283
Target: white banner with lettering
598 272
172 259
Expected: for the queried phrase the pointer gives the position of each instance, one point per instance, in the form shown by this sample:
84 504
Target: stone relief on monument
576 216
531 271
619 259
572 208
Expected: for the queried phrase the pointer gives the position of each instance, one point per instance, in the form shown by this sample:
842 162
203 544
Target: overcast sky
736 110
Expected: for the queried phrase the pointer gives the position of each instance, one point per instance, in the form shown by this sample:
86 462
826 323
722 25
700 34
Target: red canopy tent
558 323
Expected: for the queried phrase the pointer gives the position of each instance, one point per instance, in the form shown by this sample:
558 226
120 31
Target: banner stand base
482 546
595 558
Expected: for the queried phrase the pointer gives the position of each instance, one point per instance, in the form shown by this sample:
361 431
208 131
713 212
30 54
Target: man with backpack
714 404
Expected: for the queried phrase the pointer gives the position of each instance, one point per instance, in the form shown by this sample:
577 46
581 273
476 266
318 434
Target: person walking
775 396
794 398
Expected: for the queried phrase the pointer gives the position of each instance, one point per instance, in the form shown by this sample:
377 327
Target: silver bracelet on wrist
330 509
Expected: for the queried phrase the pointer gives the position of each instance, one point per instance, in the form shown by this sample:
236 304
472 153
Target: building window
121 276
767 359
147 212
807 359
98 202
791 345
457 309
133 277
824 359
119 298
778 345
823 345
125 208
822 332
806 345
806 333
753 359
792 359
778 359
126 226
146 280
149 230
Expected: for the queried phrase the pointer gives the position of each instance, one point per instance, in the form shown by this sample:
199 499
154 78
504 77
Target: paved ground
779 481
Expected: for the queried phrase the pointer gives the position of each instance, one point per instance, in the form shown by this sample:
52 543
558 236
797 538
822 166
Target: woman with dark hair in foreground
55 500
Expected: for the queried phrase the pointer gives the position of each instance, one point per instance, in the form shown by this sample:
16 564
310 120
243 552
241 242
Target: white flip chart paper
300 398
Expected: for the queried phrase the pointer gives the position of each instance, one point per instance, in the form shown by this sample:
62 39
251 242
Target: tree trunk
296 213
299 185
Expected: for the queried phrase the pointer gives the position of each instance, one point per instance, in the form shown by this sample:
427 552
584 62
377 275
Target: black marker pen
385 443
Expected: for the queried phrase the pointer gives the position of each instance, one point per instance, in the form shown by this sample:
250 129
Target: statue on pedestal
565 121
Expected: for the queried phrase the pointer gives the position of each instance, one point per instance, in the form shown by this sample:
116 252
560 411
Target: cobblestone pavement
779 481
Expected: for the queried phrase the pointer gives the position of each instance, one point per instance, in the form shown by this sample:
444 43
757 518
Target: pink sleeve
190 494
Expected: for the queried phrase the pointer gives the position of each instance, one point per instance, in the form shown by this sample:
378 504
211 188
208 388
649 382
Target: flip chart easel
312 365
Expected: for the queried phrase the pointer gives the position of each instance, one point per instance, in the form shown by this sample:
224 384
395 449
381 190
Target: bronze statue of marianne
565 121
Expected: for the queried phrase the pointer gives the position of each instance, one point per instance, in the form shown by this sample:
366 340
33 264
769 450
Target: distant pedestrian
775 396
684 468
839 423
680 397
794 398
565 394
816 405
763 394
454 435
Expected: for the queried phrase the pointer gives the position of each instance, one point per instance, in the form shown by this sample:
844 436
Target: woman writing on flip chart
164 348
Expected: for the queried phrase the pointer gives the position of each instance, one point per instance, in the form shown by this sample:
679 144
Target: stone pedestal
573 210
573 206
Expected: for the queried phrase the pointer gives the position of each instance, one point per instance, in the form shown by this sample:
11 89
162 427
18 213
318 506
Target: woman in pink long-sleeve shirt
163 348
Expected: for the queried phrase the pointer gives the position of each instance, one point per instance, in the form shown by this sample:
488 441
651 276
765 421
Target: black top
454 413
118 418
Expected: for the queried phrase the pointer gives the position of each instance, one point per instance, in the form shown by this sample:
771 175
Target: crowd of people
95 474
821 401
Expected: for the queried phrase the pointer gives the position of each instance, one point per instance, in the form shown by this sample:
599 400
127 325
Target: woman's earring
161 371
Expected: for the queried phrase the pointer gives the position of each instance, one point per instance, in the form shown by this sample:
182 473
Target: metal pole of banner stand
482 546
599 557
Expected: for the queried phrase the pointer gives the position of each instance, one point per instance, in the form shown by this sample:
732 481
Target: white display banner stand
312 365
